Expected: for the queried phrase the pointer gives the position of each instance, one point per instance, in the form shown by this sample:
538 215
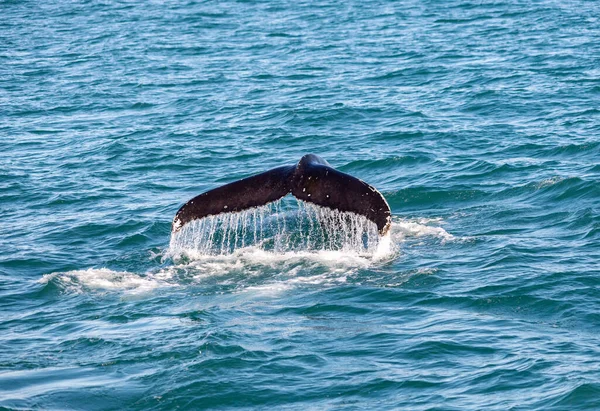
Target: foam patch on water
253 255
100 279
243 268
253 262
275 288
420 228
258 256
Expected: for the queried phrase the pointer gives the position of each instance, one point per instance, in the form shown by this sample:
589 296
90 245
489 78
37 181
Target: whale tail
312 180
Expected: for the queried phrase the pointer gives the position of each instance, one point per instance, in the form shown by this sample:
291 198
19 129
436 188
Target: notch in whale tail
312 180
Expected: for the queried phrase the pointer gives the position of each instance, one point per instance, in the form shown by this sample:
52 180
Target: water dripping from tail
283 226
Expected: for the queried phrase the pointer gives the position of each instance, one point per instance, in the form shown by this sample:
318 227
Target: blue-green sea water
479 121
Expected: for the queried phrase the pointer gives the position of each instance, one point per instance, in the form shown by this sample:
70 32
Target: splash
264 252
280 227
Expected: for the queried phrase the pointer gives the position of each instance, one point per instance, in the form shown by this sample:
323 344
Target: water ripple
478 121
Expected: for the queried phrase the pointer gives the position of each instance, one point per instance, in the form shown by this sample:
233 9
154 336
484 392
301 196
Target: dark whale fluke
312 180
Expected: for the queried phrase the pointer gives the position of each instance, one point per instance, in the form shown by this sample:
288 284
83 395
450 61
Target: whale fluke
312 180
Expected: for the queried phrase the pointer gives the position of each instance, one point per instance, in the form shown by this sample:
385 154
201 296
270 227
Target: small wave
549 182
584 394
568 188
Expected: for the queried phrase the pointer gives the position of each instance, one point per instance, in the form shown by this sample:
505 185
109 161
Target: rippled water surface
478 121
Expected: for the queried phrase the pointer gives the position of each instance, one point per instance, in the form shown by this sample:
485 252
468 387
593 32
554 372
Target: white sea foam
283 285
256 256
420 228
105 279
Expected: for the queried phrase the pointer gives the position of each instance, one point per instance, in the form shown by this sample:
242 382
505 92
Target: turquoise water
478 121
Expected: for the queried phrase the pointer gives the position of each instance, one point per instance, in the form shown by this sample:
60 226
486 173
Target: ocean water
479 121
